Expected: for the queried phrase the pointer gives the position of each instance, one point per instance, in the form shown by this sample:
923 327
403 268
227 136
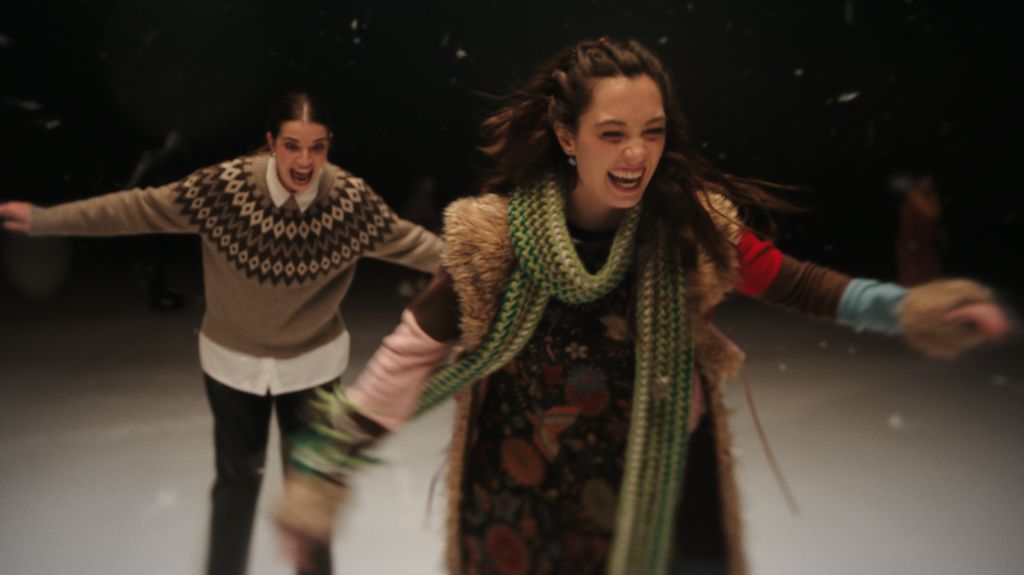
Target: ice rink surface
900 464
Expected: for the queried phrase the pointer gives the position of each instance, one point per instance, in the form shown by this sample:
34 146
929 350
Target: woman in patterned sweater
578 289
281 233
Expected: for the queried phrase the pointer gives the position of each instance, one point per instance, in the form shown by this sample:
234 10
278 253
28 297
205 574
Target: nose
635 152
304 159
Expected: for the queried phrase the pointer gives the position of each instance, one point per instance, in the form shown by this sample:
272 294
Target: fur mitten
925 326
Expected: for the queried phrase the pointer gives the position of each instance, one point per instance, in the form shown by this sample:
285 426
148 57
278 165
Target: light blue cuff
871 305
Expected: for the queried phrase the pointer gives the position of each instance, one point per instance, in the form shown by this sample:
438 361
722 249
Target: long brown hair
521 142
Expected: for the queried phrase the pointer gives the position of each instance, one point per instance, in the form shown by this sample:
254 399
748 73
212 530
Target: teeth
628 174
626 178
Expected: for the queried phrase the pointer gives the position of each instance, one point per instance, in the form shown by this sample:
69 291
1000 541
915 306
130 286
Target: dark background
89 86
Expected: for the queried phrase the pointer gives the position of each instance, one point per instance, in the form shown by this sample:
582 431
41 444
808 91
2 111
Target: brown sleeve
410 245
807 288
135 211
436 308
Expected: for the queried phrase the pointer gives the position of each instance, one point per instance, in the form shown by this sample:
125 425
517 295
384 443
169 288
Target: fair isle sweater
274 276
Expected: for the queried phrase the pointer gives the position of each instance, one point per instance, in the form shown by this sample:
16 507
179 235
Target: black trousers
241 428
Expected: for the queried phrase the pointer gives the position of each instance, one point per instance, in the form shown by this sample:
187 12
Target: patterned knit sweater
274 276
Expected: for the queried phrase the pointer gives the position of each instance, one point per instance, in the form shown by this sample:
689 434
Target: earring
572 160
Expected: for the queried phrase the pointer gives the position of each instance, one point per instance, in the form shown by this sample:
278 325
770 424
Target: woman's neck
587 216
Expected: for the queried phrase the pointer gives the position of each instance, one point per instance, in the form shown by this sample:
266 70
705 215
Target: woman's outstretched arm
941 318
350 421
134 211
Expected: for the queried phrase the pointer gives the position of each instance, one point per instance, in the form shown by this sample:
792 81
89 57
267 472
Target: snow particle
846 97
28 105
798 72
895 421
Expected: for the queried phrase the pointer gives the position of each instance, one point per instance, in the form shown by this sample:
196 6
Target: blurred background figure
157 167
921 237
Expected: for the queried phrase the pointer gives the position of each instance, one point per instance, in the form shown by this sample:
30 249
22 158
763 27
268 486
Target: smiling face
301 151
617 144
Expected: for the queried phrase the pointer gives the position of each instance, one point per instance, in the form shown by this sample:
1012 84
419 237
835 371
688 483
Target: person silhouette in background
921 236
155 167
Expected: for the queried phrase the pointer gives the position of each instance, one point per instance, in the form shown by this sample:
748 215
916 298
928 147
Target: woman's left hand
986 318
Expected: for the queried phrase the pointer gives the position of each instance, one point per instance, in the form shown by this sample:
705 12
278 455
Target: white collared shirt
267 375
280 194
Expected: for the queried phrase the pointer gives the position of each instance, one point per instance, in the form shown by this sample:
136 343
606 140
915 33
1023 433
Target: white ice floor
900 465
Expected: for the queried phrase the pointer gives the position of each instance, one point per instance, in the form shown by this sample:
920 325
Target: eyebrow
621 123
296 140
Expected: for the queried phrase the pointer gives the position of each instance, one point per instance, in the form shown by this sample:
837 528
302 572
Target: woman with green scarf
576 294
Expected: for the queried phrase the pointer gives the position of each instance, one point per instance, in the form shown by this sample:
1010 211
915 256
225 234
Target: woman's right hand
17 216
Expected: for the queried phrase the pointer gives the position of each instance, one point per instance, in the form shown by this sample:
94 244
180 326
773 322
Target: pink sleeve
760 261
391 383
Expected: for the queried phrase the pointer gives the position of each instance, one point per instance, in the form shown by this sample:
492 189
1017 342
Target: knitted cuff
923 317
309 505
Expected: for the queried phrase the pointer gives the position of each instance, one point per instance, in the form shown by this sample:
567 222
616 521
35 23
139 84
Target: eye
319 147
612 135
655 133
291 147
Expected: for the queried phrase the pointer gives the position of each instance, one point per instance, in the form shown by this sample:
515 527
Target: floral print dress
546 456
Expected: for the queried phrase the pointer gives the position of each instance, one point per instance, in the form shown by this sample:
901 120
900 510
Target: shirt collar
279 194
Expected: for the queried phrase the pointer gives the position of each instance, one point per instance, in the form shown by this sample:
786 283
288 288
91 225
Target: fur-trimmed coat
479 257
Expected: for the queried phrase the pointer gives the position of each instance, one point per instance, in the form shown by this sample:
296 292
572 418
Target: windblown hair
521 142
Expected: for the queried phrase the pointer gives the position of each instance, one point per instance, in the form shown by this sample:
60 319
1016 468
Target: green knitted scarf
547 266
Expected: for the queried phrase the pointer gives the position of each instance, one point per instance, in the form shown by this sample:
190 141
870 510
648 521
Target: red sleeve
760 261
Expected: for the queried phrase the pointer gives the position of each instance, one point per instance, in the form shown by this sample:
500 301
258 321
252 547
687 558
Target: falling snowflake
663 40
460 54
847 97
798 72
895 421
167 498
354 24
29 105
783 367
851 350
52 124
1000 381
823 344
5 41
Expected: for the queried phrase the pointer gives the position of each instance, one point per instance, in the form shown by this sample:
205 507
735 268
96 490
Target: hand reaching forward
17 216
